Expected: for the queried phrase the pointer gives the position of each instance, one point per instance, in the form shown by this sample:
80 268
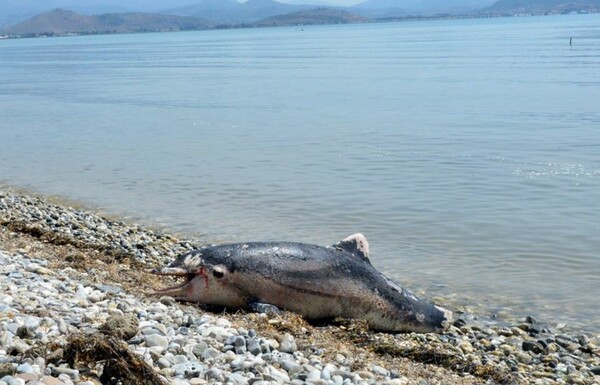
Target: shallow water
467 151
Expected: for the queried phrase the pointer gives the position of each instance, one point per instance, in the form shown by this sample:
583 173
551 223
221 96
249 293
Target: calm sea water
467 151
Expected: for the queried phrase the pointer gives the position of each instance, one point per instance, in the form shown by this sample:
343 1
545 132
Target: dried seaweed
454 362
119 364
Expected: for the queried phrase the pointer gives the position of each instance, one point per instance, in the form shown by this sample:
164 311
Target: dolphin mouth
178 290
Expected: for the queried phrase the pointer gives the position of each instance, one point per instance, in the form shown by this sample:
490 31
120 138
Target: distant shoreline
308 24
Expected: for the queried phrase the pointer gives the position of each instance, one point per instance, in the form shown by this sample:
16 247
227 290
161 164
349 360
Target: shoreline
253 25
106 259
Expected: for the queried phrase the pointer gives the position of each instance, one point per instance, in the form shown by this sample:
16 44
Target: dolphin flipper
265 308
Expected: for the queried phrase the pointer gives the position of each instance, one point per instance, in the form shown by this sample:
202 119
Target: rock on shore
73 310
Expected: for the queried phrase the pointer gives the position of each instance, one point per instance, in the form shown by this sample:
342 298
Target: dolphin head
203 282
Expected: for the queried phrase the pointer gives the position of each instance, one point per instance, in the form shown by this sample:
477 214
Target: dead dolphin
315 281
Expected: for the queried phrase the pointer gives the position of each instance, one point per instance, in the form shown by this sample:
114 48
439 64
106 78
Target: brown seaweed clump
439 357
119 364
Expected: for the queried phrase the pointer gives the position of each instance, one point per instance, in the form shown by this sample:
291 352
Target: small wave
547 170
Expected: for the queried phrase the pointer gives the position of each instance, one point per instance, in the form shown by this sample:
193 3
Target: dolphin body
315 281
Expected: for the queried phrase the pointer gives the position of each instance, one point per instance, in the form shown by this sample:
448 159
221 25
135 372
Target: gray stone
316 382
524 358
72 373
287 344
6 339
26 368
163 363
278 375
344 374
180 359
216 332
253 346
532 346
13 327
108 289
199 348
265 346
291 367
214 374
239 350
230 340
66 380
397 381
157 340
381 371
237 379
331 368
239 341
210 354
188 370
121 326
313 374
40 362
10 380
238 363
48 380
32 323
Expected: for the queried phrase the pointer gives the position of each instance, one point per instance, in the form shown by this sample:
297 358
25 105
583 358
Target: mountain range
117 16
222 11
63 22
233 12
312 16
425 7
545 6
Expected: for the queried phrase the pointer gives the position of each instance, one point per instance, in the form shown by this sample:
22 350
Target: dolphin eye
218 274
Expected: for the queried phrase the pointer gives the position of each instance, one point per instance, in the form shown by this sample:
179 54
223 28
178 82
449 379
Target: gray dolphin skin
314 281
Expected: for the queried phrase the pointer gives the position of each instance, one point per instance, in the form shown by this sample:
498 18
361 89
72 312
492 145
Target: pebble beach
76 308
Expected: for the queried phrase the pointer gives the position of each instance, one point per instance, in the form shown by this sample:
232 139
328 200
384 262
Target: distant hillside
386 4
385 8
382 13
312 16
220 11
232 12
545 6
14 11
61 22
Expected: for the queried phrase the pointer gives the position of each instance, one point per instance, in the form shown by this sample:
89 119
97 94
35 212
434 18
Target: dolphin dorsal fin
355 244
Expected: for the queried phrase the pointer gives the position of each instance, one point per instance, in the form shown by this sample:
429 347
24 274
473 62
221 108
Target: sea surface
467 151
